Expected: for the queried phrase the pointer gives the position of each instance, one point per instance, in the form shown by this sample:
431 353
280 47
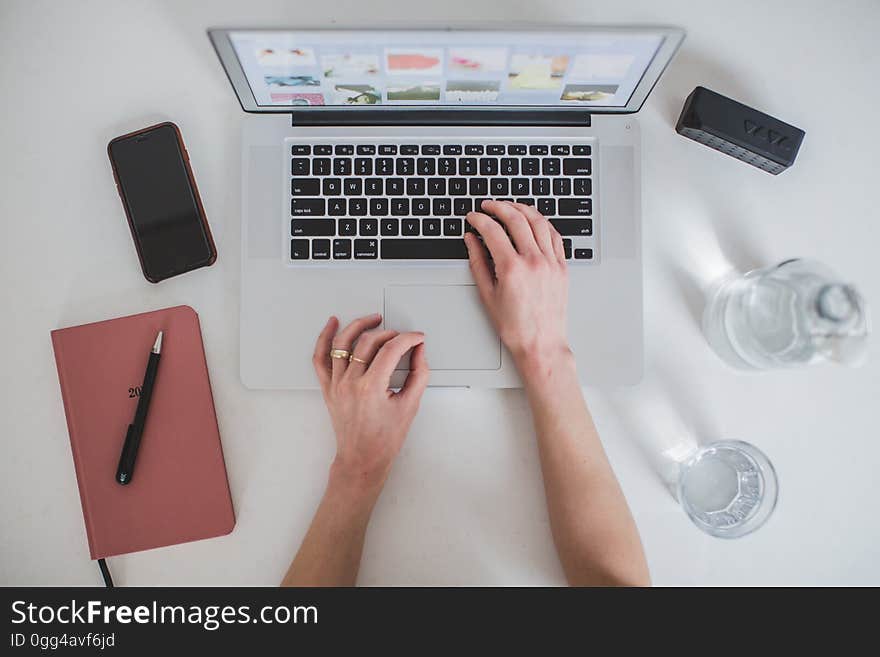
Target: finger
417 379
346 337
367 345
516 223
321 357
389 355
479 262
494 237
539 226
558 246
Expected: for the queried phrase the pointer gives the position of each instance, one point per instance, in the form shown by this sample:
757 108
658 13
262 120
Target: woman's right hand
526 293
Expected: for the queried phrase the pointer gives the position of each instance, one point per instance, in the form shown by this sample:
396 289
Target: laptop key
308 207
495 149
566 246
509 166
452 149
576 166
320 249
332 186
488 166
431 149
467 166
462 206
344 149
499 186
583 186
560 149
336 206
324 149
301 149
354 186
399 206
573 226
426 166
341 166
431 227
541 186
409 149
458 186
388 149
389 227
538 150
583 254
373 187
357 207
384 166
519 186
321 166
348 226
561 187
442 207
531 166
410 227
550 166
313 227
547 206
581 149
446 166
424 249
299 166
528 200
406 166
305 187
436 186
366 149
516 150
421 206
581 207
367 227
363 166
366 249
394 187
299 249
378 207
341 249
473 149
452 227
478 186
415 186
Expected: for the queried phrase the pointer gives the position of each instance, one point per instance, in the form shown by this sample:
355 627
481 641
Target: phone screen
161 203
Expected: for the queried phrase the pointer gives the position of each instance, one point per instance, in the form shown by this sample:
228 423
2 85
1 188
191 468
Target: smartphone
161 201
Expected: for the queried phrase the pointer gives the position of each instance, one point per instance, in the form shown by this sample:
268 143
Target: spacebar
423 249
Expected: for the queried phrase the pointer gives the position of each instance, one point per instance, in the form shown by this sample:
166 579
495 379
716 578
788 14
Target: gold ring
355 359
341 354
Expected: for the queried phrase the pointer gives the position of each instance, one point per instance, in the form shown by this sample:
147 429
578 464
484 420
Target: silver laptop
366 149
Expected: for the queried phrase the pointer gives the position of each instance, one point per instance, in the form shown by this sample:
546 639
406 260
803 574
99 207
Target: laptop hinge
418 116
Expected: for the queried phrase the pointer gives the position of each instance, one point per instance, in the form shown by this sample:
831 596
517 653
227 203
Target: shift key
575 207
573 227
308 207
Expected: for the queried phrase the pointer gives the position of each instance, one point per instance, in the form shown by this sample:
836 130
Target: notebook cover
179 491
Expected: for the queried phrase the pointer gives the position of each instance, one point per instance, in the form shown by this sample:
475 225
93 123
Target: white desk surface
464 504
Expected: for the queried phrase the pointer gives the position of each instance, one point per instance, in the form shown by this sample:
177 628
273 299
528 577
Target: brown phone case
195 189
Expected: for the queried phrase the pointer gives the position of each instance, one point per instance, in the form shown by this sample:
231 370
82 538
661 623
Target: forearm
330 553
593 530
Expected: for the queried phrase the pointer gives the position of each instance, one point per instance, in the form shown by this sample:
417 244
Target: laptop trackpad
458 333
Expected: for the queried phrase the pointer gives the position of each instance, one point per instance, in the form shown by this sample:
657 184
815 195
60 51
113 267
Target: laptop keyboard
381 201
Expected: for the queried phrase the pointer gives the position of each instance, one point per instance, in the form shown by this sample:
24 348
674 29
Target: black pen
125 470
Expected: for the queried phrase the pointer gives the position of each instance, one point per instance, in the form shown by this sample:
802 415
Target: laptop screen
592 68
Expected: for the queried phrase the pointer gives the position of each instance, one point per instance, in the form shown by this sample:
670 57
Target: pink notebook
179 491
